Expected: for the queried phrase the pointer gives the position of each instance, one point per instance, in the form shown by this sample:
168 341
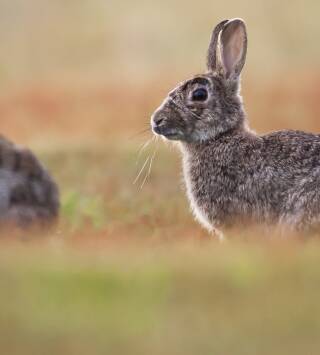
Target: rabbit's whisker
144 131
143 147
150 166
141 170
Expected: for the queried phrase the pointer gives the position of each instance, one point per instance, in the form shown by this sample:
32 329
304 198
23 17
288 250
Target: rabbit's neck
225 141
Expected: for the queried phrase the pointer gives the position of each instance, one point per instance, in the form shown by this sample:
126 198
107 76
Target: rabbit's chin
169 134
172 137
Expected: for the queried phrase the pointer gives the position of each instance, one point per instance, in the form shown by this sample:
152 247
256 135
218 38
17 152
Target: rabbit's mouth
166 132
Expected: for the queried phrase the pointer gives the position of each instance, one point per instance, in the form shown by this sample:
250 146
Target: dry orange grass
90 137
107 111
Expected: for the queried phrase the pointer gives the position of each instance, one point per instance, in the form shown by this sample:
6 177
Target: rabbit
233 176
28 194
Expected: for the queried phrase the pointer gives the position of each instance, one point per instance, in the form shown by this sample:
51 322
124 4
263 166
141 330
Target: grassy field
168 298
127 270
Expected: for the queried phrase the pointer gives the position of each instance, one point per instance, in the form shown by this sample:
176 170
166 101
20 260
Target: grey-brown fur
234 176
28 195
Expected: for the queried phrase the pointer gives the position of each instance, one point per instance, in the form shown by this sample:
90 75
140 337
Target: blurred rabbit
234 176
28 195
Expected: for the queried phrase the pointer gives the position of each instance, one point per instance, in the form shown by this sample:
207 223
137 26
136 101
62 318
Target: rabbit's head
208 105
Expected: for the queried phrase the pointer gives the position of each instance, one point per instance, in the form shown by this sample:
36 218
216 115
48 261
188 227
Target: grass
186 299
98 191
128 271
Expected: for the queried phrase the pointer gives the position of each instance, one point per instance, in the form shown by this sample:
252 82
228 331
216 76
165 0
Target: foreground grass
190 298
127 271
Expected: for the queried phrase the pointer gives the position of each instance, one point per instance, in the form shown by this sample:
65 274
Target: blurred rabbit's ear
212 50
232 48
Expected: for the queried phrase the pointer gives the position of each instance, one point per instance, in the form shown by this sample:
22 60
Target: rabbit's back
28 194
297 149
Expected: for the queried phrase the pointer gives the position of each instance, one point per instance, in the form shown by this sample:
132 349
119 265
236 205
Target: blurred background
79 80
90 70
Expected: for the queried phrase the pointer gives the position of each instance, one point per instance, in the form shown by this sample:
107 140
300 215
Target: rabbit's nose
158 120
157 123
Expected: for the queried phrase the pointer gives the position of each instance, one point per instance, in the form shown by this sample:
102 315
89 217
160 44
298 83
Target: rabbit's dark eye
200 94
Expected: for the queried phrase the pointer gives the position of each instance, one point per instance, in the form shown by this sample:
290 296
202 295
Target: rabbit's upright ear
232 48
212 62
